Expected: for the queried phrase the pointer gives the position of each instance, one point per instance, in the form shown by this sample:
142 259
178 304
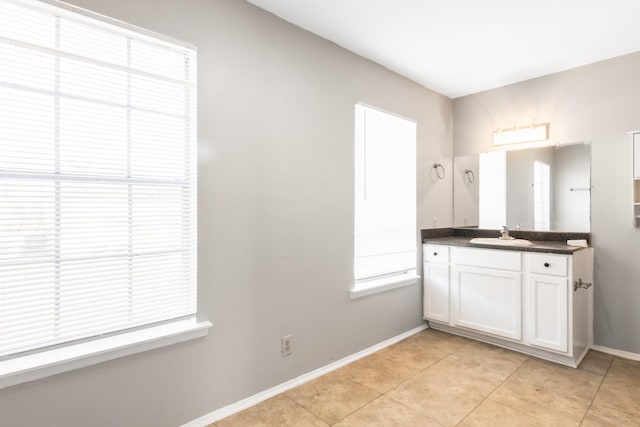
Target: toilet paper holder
580 284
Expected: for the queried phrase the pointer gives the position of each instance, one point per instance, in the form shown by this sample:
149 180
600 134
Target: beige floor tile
276 412
603 416
441 394
596 362
559 379
620 389
436 379
385 412
625 369
482 376
332 397
423 349
491 413
552 408
620 392
445 341
476 349
486 357
377 373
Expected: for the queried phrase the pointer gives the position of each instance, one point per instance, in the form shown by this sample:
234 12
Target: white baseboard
240 405
615 352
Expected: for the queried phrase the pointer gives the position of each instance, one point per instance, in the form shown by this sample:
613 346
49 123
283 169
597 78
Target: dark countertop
537 246
543 241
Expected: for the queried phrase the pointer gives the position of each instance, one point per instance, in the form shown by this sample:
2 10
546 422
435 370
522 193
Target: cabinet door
436 291
488 300
546 309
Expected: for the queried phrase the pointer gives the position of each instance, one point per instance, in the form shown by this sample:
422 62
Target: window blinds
385 194
97 178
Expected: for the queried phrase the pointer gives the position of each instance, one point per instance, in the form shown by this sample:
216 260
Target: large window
385 195
97 178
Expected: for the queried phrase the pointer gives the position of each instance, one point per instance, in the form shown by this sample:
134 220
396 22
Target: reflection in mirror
542 189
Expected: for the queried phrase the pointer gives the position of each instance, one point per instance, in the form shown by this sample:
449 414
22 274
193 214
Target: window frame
365 286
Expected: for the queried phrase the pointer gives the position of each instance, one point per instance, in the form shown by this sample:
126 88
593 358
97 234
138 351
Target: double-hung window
385 201
97 179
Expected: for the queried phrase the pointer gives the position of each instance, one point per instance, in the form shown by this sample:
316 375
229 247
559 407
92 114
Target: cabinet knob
546 264
435 253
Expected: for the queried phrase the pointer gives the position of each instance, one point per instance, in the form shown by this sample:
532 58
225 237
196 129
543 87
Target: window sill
51 362
370 287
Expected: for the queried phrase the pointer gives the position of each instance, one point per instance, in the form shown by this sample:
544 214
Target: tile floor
436 379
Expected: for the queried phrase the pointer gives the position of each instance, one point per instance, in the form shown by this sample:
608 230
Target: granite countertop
537 246
547 242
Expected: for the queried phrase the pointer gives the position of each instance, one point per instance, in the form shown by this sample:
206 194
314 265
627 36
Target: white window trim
363 288
51 362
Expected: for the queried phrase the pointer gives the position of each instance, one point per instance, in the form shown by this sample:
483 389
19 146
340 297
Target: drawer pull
546 264
580 284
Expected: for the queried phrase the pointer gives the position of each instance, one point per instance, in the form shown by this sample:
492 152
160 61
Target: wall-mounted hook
469 176
440 173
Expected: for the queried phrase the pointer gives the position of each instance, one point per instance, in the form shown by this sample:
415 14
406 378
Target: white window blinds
385 194
97 178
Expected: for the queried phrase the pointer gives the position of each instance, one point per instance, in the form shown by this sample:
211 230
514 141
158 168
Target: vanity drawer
487 258
556 265
435 253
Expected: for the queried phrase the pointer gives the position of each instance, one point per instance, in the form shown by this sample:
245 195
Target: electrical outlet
286 346
435 221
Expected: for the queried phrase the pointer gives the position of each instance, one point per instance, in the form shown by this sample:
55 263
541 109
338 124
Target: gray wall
276 107
597 103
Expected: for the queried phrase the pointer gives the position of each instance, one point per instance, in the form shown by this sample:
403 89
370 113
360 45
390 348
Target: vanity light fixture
517 135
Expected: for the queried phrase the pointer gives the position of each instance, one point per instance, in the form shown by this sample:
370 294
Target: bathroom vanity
536 299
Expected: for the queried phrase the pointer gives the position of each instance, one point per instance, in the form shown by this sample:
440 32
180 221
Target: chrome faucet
504 234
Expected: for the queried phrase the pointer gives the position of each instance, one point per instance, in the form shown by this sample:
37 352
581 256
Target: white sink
500 242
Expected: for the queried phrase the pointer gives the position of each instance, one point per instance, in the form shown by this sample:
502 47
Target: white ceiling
459 47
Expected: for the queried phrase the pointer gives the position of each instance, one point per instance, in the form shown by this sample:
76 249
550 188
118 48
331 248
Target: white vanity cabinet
546 301
436 283
558 311
534 302
487 291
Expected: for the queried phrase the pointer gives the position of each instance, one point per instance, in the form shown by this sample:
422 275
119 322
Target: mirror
541 189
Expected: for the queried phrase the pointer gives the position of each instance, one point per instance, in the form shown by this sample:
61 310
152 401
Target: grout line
597 391
494 389
415 374
358 408
413 410
303 408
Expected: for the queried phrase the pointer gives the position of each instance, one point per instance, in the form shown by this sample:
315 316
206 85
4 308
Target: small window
541 195
493 189
97 179
385 196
